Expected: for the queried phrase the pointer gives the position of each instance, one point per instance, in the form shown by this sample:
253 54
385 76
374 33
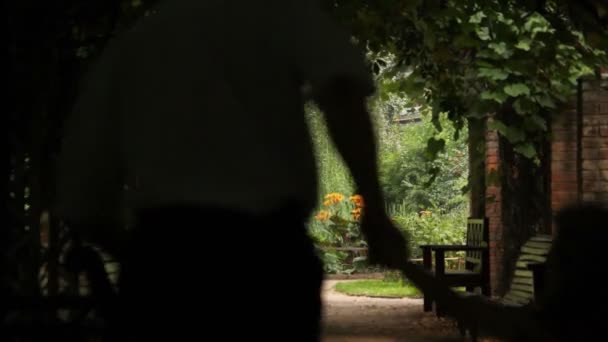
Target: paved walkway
365 319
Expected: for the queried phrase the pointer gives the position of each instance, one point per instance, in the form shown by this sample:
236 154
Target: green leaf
480 109
535 123
526 149
501 18
517 89
513 134
497 125
492 95
429 39
483 33
477 17
465 41
524 106
524 44
501 49
545 101
536 23
493 74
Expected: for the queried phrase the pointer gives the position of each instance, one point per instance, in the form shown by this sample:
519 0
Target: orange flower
333 198
323 215
356 213
358 201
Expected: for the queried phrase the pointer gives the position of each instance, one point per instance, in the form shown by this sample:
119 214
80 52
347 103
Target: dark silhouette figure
574 305
200 109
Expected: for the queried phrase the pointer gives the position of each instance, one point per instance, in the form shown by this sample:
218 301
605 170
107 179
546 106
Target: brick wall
579 165
584 179
594 143
564 159
494 210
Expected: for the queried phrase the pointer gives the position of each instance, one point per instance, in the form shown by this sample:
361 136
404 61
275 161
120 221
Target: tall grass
333 173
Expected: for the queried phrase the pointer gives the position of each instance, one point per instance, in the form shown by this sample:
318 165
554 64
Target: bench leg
427 264
428 304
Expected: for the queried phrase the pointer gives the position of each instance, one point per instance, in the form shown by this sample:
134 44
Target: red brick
595 186
565 123
590 92
589 197
603 106
491 167
564 176
591 154
590 131
565 116
564 155
492 159
590 108
493 144
563 135
595 143
563 166
564 186
563 146
492 191
557 206
595 120
562 193
590 165
592 175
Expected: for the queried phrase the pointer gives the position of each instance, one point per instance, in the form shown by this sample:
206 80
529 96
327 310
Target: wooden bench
528 278
476 271
529 271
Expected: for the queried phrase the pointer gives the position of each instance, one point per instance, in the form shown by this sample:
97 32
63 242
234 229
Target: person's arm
343 102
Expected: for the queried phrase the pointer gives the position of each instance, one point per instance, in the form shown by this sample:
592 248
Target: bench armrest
454 247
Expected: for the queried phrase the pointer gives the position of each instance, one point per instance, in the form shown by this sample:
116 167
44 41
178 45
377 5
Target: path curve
401 319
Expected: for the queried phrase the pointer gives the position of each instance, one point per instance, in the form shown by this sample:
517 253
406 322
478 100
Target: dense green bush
413 179
433 228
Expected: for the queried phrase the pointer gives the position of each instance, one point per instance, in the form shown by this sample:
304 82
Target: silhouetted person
575 302
572 304
201 107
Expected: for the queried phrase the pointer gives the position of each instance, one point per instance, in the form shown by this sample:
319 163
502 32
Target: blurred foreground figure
200 107
573 305
575 302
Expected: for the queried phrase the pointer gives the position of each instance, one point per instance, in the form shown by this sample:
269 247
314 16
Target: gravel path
365 319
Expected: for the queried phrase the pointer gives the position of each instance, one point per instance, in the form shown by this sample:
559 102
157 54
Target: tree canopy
471 59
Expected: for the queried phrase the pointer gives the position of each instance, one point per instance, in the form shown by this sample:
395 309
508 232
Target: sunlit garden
426 194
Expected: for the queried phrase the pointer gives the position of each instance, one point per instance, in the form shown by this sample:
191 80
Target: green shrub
433 228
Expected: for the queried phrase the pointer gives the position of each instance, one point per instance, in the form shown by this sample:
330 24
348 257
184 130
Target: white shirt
202 104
